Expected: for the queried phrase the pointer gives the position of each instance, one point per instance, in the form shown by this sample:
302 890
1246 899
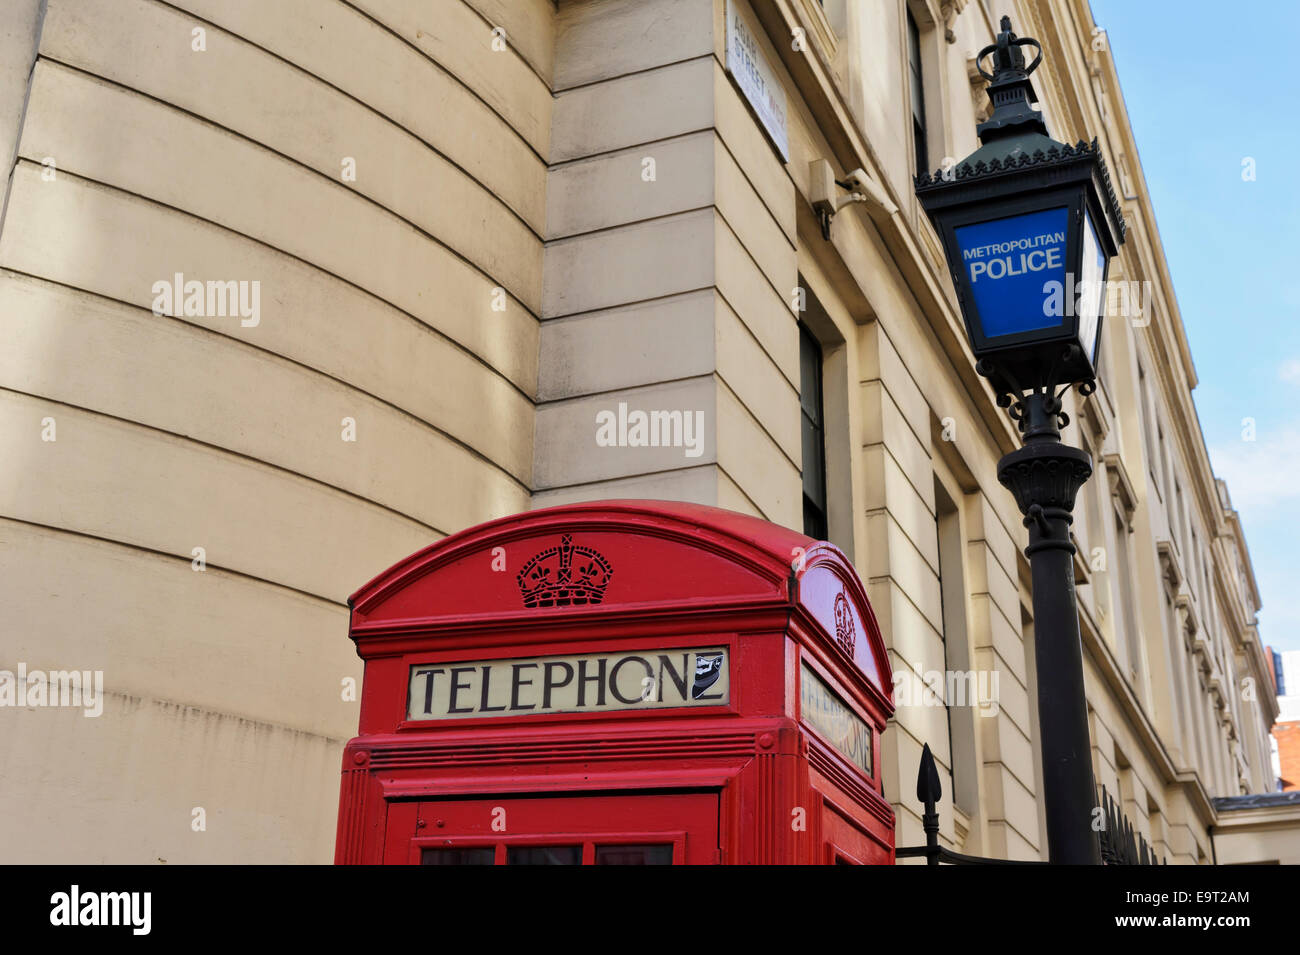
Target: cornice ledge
949 11
1171 572
1121 485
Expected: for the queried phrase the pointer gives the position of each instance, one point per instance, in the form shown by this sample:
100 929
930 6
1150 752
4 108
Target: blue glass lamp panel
1016 270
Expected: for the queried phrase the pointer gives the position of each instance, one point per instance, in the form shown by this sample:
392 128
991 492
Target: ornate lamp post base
1045 475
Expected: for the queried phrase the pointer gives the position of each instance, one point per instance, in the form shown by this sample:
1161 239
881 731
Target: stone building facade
434 243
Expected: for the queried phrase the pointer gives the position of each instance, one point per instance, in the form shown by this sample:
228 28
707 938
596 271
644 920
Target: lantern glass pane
1016 270
1091 289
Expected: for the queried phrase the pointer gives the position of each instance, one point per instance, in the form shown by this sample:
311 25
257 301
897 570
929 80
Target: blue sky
1208 85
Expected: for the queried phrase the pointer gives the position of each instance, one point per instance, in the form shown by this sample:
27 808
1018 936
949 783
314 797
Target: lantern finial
1010 90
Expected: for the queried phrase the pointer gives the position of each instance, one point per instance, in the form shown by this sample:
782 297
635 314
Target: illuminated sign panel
823 710
1011 265
584 683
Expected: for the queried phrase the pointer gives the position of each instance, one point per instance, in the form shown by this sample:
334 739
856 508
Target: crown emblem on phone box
564 576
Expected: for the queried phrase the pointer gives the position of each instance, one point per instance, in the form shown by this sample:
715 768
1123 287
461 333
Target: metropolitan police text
1032 258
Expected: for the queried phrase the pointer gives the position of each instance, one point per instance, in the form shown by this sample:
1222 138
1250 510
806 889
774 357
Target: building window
1154 447
813 430
1177 529
962 691
1093 503
918 95
1128 624
1163 467
1197 566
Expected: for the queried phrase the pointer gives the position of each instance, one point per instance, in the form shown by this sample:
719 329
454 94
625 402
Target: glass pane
634 855
544 855
914 67
482 855
814 520
814 472
913 43
1016 270
810 375
1092 293
814 457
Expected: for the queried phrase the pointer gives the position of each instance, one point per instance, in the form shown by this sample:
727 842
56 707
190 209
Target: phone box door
587 829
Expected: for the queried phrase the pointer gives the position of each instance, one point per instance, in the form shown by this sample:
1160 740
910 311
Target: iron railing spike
1119 842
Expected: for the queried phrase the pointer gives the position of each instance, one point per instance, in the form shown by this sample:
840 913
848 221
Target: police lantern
1028 225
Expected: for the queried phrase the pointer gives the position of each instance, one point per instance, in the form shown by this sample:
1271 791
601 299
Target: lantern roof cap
1027 142
1026 153
1014 140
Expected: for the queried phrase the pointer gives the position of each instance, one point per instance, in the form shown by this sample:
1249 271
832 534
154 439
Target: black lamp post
1029 226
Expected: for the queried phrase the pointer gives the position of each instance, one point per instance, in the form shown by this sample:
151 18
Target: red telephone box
621 682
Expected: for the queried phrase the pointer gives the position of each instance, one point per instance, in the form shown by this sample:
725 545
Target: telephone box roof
620 564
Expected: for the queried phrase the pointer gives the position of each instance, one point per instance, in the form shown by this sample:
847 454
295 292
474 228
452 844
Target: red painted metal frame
682 575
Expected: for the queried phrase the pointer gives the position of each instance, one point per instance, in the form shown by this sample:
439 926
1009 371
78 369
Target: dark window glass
918 95
634 855
812 428
544 855
483 855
